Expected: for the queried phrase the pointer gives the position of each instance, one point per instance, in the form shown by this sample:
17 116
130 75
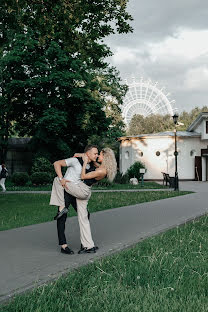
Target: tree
158 123
79 25
51 57
150 124
188 118
52 96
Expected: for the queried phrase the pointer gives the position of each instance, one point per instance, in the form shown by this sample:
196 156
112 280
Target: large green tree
80 25
55 82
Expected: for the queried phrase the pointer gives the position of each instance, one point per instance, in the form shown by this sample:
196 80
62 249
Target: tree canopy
158 123
56 85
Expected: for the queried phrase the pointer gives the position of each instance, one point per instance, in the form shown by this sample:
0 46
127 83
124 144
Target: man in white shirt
72 174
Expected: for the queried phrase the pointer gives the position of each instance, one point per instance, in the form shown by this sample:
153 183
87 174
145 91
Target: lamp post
175 120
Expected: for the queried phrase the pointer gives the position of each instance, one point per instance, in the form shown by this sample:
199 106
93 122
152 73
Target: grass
116 186
11 187
147 185
25 209
165 273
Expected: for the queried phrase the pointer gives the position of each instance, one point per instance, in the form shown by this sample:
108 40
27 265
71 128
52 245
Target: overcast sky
169 45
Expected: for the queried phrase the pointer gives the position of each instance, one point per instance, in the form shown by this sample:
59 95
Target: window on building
192 153
126 155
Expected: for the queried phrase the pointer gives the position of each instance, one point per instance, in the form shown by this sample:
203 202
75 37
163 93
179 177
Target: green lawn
165 273
24 209
147 185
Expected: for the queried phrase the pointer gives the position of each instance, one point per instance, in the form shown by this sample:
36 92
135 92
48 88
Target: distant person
3 176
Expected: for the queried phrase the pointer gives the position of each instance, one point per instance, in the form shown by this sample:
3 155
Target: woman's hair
109 162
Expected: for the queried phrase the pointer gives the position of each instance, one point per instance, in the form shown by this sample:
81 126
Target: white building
156 151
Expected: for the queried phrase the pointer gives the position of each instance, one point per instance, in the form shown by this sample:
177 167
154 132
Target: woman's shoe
61 213
96 247
87 250
67 251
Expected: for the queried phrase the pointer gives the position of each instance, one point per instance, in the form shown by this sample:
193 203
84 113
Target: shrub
121 178
133 171
42 164
20 178
40 178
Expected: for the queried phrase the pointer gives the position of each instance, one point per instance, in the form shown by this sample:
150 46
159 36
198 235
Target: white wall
201 128
130 151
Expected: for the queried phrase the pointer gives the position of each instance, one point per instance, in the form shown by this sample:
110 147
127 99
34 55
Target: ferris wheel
145 98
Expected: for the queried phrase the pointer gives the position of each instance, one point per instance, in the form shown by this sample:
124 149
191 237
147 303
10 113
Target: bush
20 178
133 171
40 178
42 164
121 178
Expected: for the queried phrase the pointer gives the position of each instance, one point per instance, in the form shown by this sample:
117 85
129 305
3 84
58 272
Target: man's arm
57 166
69 162
96 164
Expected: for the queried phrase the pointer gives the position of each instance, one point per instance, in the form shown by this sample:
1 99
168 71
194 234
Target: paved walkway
30 255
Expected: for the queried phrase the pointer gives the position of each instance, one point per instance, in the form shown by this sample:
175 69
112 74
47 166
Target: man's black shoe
67 251
61 213
85 250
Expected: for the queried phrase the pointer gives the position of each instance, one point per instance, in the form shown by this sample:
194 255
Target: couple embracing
74 188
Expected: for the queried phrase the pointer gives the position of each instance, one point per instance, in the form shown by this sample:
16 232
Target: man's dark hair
89 147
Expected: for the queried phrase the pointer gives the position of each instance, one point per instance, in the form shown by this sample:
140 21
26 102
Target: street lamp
175 120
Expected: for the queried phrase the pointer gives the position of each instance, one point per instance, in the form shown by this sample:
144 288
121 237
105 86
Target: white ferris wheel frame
145 98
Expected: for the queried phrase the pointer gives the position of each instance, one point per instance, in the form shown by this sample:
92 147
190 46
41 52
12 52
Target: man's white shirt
74 170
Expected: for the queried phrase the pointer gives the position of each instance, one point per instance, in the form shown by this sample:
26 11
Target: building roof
162 134
197 121
18 143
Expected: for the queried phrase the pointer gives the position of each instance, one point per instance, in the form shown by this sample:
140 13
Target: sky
169 45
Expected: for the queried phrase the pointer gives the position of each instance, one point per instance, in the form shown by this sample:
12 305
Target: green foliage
157 123
78 25
121 178
187 118
150 124
40 178
54 75
42 164
20 178
134 170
